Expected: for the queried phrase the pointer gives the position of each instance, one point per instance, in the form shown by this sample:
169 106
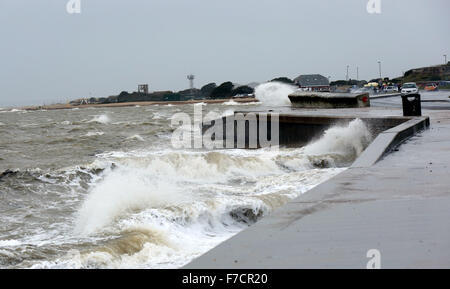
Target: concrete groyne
308 99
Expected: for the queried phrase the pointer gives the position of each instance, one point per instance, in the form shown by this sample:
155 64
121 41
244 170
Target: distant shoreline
137 103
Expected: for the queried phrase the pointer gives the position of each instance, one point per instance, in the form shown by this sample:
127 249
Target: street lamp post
346 77
445 58
379 67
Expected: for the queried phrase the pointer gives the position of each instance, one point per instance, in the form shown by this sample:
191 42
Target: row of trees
225 90
228 90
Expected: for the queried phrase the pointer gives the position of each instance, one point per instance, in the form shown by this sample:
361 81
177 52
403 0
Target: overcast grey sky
48 55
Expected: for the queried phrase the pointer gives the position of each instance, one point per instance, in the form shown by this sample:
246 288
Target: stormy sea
103 187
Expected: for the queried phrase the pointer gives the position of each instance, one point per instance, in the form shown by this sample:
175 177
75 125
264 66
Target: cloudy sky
49 55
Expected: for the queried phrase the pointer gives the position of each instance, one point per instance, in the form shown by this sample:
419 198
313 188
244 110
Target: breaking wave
341 143
167 207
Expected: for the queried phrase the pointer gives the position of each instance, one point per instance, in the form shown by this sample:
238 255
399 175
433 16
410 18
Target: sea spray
344 143
274 93
162 179
124 190
203 197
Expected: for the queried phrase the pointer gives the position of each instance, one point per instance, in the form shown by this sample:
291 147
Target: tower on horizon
191 78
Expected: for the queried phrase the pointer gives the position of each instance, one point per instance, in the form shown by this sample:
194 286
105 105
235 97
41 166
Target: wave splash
274 93
341 144
165 208
161 209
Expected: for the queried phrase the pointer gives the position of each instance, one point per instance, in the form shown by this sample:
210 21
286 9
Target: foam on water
103 119
200 104
157 116
135 137
230 102
94 133
9 243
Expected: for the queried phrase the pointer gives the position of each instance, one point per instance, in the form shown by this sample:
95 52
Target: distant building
313 82
143 88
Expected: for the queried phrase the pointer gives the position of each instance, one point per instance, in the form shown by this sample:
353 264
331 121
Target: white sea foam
200 104
135 137
18 110
230 102
235 103
9 243
103 118
274 93
94 133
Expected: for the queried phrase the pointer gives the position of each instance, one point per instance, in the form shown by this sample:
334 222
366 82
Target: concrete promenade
399 206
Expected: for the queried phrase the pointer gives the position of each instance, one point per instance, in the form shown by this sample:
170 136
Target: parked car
431 87
390 88
410 87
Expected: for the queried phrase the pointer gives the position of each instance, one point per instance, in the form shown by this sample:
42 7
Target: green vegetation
283 80
242 90
431 73
206 90
222 91
227 90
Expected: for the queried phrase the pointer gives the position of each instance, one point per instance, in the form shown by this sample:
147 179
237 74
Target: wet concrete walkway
400 206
